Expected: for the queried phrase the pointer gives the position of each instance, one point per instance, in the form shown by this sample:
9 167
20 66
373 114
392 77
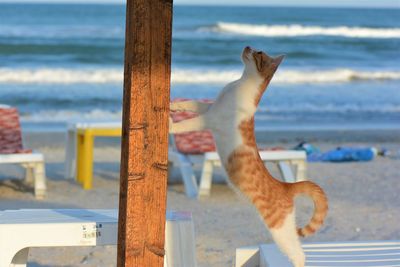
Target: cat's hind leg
195 106
287 239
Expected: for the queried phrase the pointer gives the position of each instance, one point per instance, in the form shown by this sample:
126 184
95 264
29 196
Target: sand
363 199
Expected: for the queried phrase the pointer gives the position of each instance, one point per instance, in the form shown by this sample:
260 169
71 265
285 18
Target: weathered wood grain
144 154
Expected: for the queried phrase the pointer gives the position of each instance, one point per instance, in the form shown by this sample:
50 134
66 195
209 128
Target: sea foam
293 30
60 75
71 115
187 76
287 76
265 113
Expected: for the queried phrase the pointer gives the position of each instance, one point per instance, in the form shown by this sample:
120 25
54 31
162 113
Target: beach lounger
333 254
187 147
13 152
23 229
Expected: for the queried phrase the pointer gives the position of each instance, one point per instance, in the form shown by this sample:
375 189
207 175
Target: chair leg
170 167
286 172
20 259
189 180
40 180
5 257
70 155
247 257
206 178
29 173
10 256
301 170
79 156
87 161
180 247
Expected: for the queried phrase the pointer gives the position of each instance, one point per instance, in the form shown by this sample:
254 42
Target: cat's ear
259 60
277 60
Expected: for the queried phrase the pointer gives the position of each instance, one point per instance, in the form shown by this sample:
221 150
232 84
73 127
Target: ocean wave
287 76
271 110
71 115
265 113
334 76
301 30
63 76
181 76
61 31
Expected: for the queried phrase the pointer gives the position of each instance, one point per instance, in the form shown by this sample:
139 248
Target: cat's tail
320 205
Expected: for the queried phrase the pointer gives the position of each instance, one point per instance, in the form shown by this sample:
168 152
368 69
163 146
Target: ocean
64 62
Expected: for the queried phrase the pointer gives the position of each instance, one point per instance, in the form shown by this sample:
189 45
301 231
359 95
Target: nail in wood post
144 155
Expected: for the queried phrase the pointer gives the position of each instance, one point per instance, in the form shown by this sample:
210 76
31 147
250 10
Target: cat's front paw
170 125
174 106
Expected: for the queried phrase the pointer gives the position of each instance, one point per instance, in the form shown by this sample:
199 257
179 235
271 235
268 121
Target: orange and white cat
231 120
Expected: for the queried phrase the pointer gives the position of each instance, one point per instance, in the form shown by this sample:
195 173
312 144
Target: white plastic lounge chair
186 147
12 151
22 229
335 254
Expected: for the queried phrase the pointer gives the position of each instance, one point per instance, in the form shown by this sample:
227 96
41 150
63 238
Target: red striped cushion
198 142
10 132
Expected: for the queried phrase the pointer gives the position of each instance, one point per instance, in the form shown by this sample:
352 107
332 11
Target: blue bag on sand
308 148
344 154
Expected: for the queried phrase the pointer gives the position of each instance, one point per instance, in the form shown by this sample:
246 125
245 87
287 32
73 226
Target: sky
336 3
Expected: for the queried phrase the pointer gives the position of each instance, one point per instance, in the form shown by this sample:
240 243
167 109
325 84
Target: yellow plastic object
85 142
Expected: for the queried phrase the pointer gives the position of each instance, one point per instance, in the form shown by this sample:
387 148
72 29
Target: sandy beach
363 199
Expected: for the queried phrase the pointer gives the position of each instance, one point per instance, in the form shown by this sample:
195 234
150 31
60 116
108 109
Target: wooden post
144 155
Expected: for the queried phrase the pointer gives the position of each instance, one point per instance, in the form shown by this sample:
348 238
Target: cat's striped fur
231 119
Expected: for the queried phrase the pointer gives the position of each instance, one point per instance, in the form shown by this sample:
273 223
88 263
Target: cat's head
259 62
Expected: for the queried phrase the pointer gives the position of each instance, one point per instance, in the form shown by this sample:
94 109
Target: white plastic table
22 229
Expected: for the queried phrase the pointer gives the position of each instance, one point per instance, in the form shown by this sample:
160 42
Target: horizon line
200 4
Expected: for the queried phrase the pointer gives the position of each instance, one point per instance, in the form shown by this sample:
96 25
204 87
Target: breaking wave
60 75
71 115
181 76
301 30
288 76
60 31
265 112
